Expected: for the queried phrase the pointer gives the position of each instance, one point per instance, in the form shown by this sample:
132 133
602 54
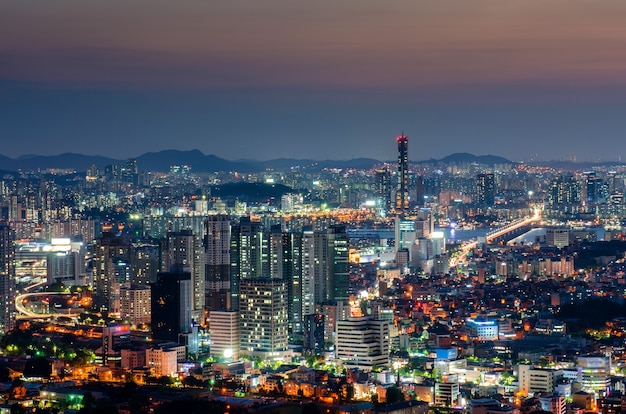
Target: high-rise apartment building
111 268
7 278
248 255
135 304
145 263
285 262
264 320
485 190
183 251
314 270
217 239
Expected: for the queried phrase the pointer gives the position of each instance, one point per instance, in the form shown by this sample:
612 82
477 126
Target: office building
264 320
482 329
225 335
162 360
171 306
535 380
593 373
338 280
114 338
554 403
363 342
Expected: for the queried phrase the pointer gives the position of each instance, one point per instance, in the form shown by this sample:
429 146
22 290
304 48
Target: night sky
325 79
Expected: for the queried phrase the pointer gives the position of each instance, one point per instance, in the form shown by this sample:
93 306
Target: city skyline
314 80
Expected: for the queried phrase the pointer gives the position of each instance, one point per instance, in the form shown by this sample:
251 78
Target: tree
374 398
311 408
349 392
394 394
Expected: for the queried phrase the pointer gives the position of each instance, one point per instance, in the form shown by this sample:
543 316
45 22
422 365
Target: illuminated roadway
455 261
27 314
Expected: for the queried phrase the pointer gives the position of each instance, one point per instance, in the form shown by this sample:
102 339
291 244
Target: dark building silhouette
171 300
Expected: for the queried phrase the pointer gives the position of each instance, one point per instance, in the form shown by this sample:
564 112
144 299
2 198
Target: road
27 314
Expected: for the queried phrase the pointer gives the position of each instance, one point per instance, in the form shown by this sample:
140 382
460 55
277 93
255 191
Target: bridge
511 230
28 314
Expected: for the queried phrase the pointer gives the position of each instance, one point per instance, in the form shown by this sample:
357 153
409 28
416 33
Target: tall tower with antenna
402 192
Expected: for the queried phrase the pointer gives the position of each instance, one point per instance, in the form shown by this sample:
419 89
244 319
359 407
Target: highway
27 314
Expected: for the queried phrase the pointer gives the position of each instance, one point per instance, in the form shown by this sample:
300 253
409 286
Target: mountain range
199 162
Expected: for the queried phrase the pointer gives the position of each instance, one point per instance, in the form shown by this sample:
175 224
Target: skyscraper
339 272
7 278
217 239
402 193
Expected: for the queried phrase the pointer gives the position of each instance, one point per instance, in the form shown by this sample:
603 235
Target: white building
553 403
163 361
225 334
363 342
533 380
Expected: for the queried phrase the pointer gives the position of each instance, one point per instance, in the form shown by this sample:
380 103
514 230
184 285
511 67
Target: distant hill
162 160
68 160
466 158
199 162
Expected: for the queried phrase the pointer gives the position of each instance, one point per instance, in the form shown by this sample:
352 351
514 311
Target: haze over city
325 79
